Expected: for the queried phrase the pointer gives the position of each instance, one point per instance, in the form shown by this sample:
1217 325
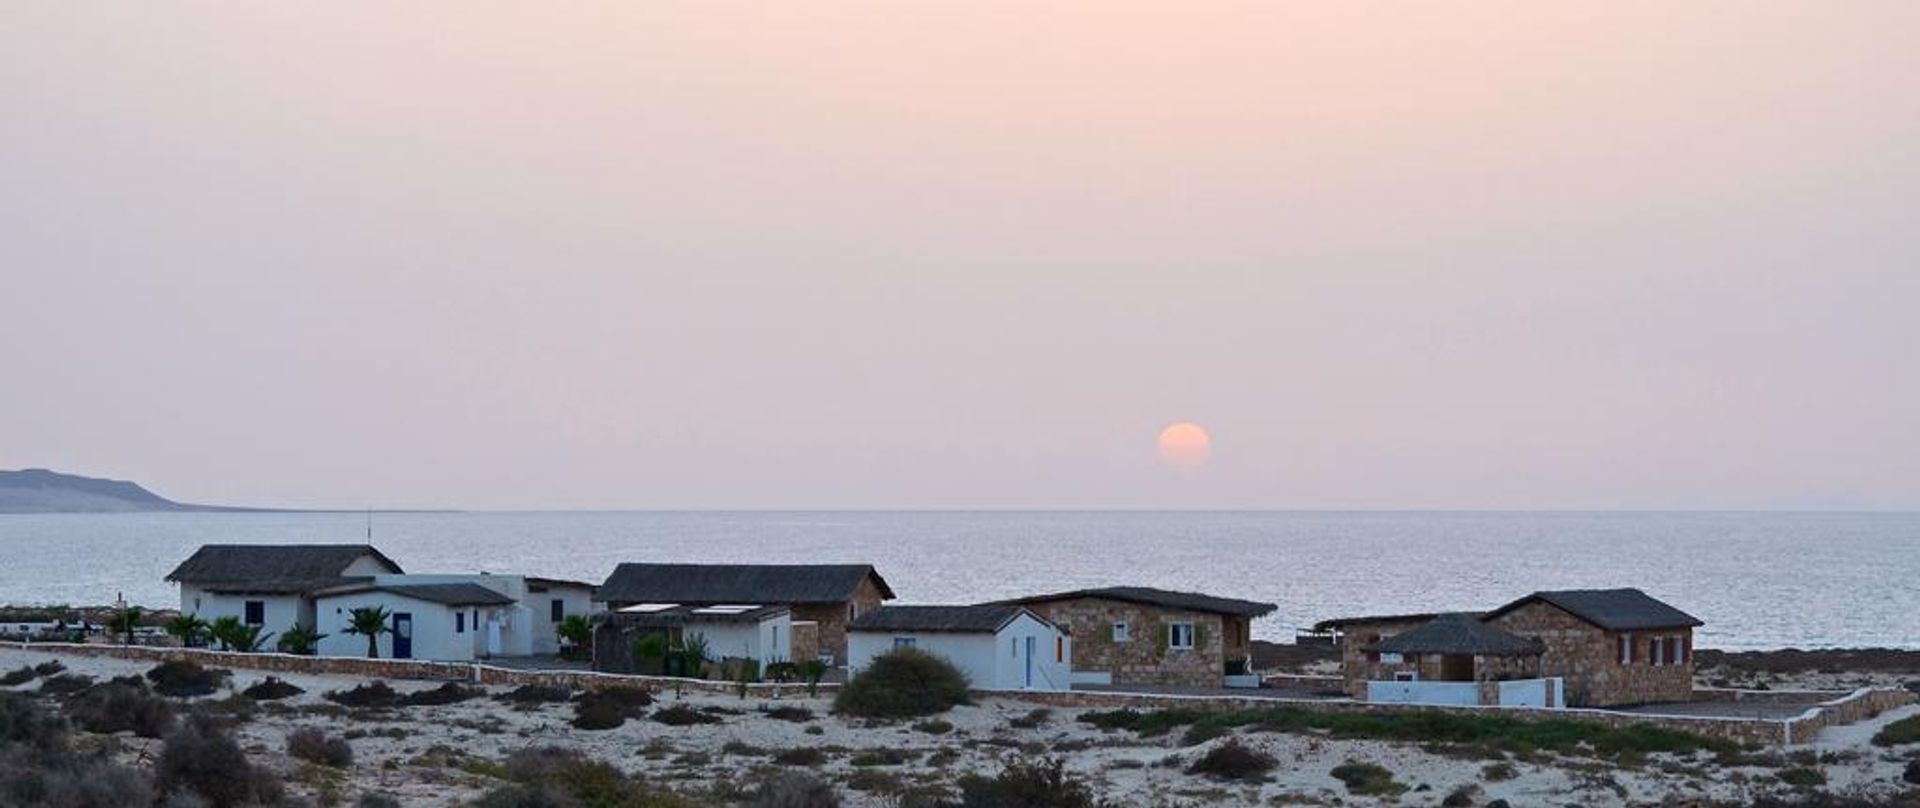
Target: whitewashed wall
1049 672
433 624
990 661
574 599
281 611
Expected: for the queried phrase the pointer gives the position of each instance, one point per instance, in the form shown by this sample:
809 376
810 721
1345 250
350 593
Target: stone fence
478 673
1859 705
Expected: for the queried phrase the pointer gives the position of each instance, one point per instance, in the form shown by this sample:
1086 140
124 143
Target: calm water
1759 580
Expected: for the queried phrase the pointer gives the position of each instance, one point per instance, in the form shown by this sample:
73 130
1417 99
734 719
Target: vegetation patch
937 726
1903 731
314 745
272 689
1028 784
880 757
1802 777
122 705
375 694
793 790
552 776
1497 772
64 684
202 759
1034 719
680 715
536 694
1233 760
447 693
18 676
903 683
797 715
1368 779
185 679
800 756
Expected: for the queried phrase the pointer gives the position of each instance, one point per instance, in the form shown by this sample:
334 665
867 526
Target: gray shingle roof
271 567
985 618
1186 601
1610 609
737 583
1344 622
1458 634
682 615
456 594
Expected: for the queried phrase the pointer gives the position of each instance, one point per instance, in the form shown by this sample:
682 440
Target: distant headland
44 491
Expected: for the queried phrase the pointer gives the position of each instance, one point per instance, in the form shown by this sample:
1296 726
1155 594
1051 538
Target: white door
493 634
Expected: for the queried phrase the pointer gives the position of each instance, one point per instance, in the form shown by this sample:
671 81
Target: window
1686 649
1391 658
559 610
1371 639
1120 631
1406 676
1657 651
459 622
905 642
1180 636
1059 649
1626 649
256 613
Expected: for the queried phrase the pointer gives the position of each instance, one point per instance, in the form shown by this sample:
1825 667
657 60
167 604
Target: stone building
1610 647
823 598
1139 635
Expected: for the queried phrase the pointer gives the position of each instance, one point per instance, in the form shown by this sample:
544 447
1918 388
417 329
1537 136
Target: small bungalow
1140 635
727 634
823 598
553 600
268 585
1607 647
450 622
998 647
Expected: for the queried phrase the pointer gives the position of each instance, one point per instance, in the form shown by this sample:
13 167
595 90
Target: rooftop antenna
369 524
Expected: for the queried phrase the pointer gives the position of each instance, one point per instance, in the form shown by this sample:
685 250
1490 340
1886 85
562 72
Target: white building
553 600
757 632
266 585
439 620
998 647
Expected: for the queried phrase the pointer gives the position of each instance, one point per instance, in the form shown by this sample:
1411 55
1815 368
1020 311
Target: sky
1495 255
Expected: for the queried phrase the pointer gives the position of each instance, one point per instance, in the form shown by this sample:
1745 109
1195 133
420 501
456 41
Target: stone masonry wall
831 619
1144 657
1588 658
1355 667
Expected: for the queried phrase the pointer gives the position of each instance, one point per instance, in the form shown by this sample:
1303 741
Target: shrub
314 745
1903 731
1038 717
598 715
1802 777
24 722
18 676
183 679
1461 797
526 796
120 706
937 726
1497 772
375 694
680 715
554 776
903 683
1367 779
797 715
536 694
800 756
1202 733
65 683
49 668
884 756
1912 772
1233 760
200 758
1026 784
447 693
272 689
794 790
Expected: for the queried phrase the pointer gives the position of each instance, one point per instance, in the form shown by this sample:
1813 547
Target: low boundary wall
475 672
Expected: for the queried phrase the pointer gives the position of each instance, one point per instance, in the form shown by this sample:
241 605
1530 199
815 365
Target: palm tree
369 622
191 630
123 623
248 639
225 630
299 640
577 632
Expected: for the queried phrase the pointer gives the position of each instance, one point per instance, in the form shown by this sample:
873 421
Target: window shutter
1372 656
1686 648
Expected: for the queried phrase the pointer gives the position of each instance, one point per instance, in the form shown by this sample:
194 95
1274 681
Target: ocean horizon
1760 579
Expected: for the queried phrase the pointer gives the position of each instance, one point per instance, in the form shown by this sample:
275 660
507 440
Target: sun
1185 446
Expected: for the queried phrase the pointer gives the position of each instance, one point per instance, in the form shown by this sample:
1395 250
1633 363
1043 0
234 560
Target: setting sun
1185 446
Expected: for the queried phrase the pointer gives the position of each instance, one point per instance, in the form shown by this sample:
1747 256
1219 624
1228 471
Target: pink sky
825 255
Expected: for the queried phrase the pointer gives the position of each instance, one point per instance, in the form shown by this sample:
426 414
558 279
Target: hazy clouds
965 255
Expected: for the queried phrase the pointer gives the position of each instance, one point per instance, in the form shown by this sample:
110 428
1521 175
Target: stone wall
805 641
1144 657
1356 666
1588 658
830 619
1859 705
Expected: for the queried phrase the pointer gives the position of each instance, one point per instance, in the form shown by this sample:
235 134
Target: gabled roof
675 614
1458 634
987 618
271 567
1610 609
459 594
537 583
1185 601
738 583
1343 622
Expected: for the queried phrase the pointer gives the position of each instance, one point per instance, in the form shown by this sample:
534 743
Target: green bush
1367 779
903 683
1903 731
1233 760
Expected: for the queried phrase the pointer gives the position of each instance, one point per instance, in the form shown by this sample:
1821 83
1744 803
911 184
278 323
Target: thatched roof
1165 598
1610 609
738 583
987 618
272 568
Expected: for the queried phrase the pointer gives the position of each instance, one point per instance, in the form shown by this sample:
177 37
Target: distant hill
43 491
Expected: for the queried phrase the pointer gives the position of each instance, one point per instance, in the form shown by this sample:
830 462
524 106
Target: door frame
403 643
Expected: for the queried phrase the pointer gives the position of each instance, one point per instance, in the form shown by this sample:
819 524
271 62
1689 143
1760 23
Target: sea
1759 580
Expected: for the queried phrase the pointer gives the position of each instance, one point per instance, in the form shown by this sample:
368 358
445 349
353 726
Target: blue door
1029 661
402 635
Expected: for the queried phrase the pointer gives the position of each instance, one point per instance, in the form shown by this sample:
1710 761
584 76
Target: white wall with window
1025 654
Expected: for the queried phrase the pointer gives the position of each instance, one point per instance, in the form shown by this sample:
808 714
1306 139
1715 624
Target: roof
462 594
1610 609
1186 601
738 583
1342 622
271 567
677 614
986 618
1458 634
537 583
